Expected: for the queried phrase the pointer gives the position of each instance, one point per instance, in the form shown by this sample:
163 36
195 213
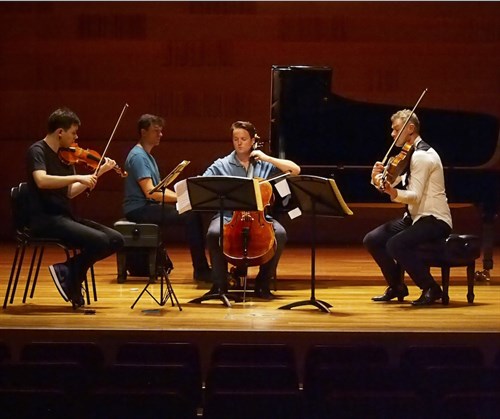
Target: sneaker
77 299
60 276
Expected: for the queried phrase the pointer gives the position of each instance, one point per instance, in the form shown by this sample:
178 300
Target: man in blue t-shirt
140 206
246 161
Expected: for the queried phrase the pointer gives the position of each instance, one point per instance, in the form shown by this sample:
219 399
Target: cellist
428 217
238 163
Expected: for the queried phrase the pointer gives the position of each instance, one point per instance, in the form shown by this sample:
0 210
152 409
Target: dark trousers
393 247
94 240
167 216
219 264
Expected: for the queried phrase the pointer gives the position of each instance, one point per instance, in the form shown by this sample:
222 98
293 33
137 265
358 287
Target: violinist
238 163
140 206
52 183
427 218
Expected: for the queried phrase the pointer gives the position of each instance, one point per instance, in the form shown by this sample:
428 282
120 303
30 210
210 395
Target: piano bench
141 246
455 250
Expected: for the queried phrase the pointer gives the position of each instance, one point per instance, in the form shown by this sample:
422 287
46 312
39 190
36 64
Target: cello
249 237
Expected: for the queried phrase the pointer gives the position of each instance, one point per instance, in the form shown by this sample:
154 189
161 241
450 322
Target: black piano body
332 136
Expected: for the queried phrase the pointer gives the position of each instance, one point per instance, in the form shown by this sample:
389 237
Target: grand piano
332 136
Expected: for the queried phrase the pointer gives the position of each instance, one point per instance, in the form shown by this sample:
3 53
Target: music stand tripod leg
164 279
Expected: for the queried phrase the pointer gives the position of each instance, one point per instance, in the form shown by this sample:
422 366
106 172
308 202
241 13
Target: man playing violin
52 183
140 206
238 163
427 218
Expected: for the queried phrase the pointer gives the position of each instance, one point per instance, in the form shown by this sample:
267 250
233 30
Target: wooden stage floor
346 277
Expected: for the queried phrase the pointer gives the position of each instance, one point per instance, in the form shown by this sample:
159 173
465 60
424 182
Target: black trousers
393 244
94 240
219 264
168 216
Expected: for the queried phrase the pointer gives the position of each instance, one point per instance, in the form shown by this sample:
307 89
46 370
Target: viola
89 158
397 164
249 238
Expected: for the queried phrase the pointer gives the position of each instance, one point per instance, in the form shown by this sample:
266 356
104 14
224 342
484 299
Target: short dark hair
62 118
248 126
146 120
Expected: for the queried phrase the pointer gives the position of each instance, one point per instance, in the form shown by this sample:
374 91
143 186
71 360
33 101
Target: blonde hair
404 114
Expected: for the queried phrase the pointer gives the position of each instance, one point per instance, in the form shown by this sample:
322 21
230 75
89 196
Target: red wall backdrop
203 65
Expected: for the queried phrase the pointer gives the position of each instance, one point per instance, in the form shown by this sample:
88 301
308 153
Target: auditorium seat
87 354
252 392
184 354
134 379
253 354
436 383
36 403
415 357
471 405
5 353
132 403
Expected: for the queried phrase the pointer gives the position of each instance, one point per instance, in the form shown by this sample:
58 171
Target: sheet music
167 180
183 203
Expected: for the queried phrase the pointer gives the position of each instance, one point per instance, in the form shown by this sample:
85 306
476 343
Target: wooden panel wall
203 65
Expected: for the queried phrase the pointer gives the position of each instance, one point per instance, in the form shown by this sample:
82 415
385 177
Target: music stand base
322 305
225 297
166 292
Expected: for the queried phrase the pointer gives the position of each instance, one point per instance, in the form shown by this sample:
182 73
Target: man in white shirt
428 217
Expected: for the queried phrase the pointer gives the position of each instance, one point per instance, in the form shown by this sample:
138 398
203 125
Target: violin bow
404 126
110 138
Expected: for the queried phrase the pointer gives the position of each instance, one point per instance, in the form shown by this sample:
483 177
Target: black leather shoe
264 293
204 275
216 290
429 296
390 293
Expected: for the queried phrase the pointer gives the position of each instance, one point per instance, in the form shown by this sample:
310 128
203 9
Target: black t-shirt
47 201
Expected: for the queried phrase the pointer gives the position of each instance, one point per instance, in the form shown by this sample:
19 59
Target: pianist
427 218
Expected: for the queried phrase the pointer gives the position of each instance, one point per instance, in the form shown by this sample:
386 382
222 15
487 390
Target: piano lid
313 126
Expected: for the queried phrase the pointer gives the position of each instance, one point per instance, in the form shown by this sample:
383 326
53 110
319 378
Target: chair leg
35 279
94 288
445 282
471 267
18 272
11 277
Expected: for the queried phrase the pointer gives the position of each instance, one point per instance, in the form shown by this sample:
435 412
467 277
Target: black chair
253 391
87 354
248 354
19 198
454 251
182 354
5 352
419 357
253 381
36 403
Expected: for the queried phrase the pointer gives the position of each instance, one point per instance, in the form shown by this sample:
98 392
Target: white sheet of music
183 203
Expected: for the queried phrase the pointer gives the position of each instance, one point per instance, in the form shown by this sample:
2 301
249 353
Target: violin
397 164
89 158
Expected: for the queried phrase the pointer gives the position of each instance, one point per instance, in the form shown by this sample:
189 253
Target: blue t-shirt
139 165
231 166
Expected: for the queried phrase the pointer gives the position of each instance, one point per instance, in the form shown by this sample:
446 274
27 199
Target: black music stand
166 289
315 196
219 193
